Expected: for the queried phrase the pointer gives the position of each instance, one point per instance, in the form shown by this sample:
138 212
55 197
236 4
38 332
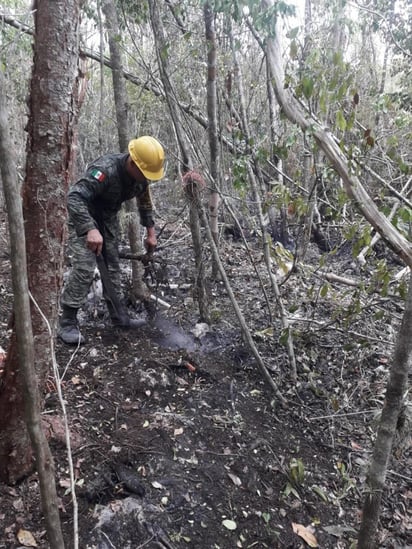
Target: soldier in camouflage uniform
93 203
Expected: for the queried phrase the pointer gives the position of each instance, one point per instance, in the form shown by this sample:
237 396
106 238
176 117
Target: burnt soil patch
177 442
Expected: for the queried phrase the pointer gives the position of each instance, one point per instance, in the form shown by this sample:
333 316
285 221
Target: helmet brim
152 176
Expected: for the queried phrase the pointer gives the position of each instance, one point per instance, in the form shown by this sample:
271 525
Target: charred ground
178 442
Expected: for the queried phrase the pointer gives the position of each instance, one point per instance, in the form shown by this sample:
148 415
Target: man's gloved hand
94 241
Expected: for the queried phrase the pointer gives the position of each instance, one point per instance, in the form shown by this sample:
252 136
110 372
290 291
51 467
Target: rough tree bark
48 170
24 333
187 163
212 127
139 288
394 399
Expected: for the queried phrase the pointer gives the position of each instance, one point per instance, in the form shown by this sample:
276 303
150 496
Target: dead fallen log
332 277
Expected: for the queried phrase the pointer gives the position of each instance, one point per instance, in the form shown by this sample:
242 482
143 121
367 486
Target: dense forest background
287 198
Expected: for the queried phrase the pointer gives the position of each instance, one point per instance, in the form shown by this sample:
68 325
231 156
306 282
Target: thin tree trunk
275 218
212 127
309 184
394 399
266 240
24 333
187 163
101 95
308 179
139 288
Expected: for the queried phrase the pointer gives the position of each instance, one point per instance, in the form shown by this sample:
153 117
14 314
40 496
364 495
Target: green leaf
350 121
340 121
323 102
319 492
293 50
337 58
266 517
290 490
284 336
293 33
267 332
324 290
307 87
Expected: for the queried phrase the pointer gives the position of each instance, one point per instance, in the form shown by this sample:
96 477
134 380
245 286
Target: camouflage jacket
96 198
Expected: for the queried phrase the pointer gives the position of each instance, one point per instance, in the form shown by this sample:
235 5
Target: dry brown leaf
65 483
305 534
235 479
26 538
355 445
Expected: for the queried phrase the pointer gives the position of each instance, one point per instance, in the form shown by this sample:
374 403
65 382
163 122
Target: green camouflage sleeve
79 197
146 208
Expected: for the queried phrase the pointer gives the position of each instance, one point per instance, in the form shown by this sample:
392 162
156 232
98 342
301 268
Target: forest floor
177 440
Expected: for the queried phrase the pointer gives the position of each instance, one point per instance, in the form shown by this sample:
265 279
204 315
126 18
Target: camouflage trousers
83 265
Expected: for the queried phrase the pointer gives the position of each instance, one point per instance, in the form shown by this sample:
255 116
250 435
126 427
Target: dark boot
121 319
68 330
126 322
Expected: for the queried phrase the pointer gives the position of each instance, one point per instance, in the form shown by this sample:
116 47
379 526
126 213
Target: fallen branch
331 277
402 273
160 301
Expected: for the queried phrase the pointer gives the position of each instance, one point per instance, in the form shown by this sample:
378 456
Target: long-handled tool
110 292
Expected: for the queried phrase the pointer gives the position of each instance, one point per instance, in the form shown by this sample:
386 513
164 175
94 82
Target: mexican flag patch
97 174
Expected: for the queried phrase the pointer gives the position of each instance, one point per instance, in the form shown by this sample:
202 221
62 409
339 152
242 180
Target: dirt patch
178 442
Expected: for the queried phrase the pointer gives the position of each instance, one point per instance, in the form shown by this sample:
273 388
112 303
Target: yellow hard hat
148 155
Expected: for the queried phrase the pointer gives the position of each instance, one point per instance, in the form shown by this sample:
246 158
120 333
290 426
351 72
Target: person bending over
93 204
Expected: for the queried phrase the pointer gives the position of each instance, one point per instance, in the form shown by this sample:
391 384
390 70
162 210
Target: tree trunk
394 399
100 124
48 170
309 184
187 164
24 334
212 127
48 162
139 288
